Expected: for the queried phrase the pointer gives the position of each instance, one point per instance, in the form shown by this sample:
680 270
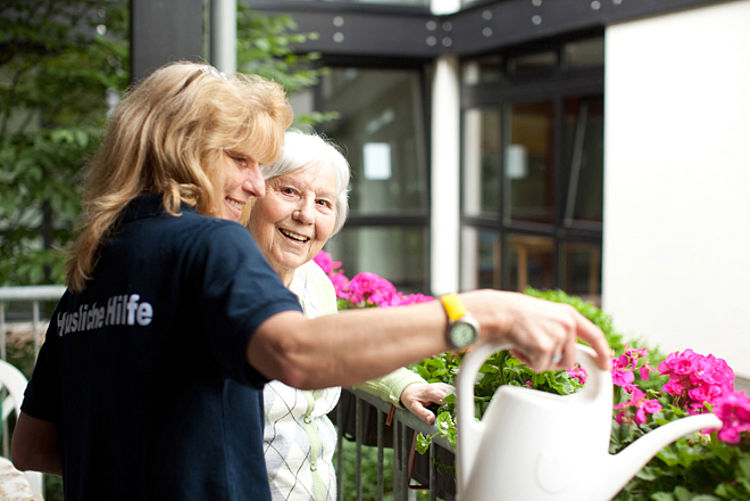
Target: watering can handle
469 430
474 359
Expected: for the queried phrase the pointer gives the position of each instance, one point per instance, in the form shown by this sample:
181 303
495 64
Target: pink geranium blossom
695 379
624 369
622 377
323 259
370 288
399 299
625 366
364 289
733 409
641 404
577 372
340 283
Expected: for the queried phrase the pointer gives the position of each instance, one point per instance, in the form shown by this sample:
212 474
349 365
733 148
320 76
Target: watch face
463 334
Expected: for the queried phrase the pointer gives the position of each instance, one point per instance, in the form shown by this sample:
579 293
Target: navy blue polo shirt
144 372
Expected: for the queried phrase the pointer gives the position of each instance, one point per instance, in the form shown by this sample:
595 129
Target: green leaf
423 443
662 496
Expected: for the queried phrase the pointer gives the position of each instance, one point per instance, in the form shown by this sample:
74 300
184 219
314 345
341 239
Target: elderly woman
306 204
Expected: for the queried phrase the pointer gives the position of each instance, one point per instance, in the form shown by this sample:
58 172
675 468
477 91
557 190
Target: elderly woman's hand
416 397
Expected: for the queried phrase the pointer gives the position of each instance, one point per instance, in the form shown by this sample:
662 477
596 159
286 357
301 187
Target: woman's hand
542 334
417 396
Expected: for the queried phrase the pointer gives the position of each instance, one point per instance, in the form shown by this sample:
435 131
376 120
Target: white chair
14 383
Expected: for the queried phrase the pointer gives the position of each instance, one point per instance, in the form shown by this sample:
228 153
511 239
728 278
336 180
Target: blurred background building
599 147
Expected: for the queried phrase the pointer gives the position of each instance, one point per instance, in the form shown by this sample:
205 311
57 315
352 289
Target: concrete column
445 169
224 35
442 7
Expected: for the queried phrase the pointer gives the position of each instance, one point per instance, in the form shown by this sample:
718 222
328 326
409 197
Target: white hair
303 150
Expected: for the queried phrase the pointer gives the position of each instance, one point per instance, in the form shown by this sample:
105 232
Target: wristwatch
462 330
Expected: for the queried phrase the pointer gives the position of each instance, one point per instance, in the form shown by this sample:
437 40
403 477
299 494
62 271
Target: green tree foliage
59 63
266 46
63 64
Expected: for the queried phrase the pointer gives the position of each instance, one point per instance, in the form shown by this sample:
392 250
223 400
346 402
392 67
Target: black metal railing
369 421
27 315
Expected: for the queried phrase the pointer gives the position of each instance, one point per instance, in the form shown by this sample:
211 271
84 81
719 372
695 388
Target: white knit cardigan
299 439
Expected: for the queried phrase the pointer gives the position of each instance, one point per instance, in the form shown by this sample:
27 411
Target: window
528 169
481 163
583 152
380 128
532 170
397 253
480 248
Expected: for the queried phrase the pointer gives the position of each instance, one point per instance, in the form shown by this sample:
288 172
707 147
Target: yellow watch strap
454 308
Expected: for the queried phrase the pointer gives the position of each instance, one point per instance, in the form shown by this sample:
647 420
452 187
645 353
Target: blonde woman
149 382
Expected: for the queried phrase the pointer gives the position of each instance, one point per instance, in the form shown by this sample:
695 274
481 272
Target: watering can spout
628 462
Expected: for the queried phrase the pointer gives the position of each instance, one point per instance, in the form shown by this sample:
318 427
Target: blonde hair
166 137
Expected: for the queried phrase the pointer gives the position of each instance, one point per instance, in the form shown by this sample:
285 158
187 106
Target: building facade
592 146
599 147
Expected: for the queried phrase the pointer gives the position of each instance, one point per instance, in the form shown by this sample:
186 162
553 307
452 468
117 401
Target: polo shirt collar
147 205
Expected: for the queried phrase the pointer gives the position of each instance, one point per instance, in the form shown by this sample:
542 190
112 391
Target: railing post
3 340
396 461
35 326
400 465
339 452
433 474
381 481
358 432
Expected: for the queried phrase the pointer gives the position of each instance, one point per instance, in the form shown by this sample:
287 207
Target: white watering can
534 445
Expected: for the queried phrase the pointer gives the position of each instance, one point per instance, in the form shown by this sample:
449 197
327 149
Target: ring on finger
556 357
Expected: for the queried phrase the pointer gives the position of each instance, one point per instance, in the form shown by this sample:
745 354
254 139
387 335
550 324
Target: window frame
411 219
556 85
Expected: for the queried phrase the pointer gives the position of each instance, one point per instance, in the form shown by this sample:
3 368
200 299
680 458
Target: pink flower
622 377
399 299
326 263
642 405
625 366
636 355
704 393
340 283
678 364
369 288
695 379
577 372
715 371
364 289
734 411
620 362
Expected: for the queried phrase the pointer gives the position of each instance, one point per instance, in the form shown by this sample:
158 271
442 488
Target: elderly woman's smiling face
295 218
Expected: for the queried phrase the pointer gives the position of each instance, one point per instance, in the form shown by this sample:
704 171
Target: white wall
677 180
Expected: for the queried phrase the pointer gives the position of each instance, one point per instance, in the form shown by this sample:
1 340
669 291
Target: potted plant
650 390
